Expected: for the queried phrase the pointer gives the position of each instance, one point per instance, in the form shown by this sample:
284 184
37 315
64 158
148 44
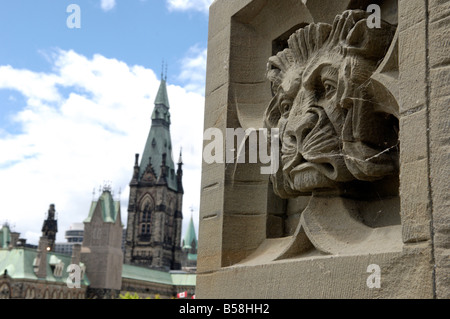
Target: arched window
145 218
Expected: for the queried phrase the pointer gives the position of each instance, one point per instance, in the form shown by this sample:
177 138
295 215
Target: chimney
40 265
14 239
76 254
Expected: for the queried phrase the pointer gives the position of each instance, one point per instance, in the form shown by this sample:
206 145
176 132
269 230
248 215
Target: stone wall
255 244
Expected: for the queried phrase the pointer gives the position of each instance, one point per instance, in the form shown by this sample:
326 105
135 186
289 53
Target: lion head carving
332 128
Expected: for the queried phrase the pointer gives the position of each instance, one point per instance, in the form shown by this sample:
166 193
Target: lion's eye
286 106
330 88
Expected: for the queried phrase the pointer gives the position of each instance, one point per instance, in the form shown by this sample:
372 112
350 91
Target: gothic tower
153 235
101 250
50 227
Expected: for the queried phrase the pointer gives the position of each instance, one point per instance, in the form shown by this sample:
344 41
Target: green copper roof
161 96
190 239
108 207
184 279
157 276
146 274
18 263
159 141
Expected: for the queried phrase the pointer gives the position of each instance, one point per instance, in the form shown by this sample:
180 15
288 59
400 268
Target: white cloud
193 69
32 85
82 125
107 4
184 5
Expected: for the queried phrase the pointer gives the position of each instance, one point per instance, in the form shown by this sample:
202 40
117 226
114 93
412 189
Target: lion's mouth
316 156
325 168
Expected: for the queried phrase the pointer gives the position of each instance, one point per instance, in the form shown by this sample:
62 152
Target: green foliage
128 295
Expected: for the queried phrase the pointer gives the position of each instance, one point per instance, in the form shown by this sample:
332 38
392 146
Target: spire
180 174
180 160
162 97
162 179
50 226
159 143
190 238
135 178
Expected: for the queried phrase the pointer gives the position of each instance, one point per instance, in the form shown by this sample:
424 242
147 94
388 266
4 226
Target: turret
50 227
153 233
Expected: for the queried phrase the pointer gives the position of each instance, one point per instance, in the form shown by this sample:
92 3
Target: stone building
353 99
101 250
102 254
29 273
153 236
153 253
39 273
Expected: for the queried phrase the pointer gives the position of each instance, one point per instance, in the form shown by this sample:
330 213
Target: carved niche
338 133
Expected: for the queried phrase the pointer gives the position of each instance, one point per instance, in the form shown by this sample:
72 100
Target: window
145 228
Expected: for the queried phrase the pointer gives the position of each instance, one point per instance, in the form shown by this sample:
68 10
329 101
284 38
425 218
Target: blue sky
76 102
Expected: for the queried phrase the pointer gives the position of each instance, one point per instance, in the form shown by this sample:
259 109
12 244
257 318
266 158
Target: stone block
411 13
210 245
246 198
220 13
439 43
242 234
413 137
217 61
439 9
440 179
414 201
439 78
412 59
341 277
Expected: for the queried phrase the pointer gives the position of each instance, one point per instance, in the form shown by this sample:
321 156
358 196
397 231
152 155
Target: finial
51 211
180 160
164 68
165 78
107 186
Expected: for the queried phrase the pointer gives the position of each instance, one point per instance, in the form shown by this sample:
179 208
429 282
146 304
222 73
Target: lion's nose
299 130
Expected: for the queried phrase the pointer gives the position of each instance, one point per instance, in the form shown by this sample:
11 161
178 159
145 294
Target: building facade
30 273
101 250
